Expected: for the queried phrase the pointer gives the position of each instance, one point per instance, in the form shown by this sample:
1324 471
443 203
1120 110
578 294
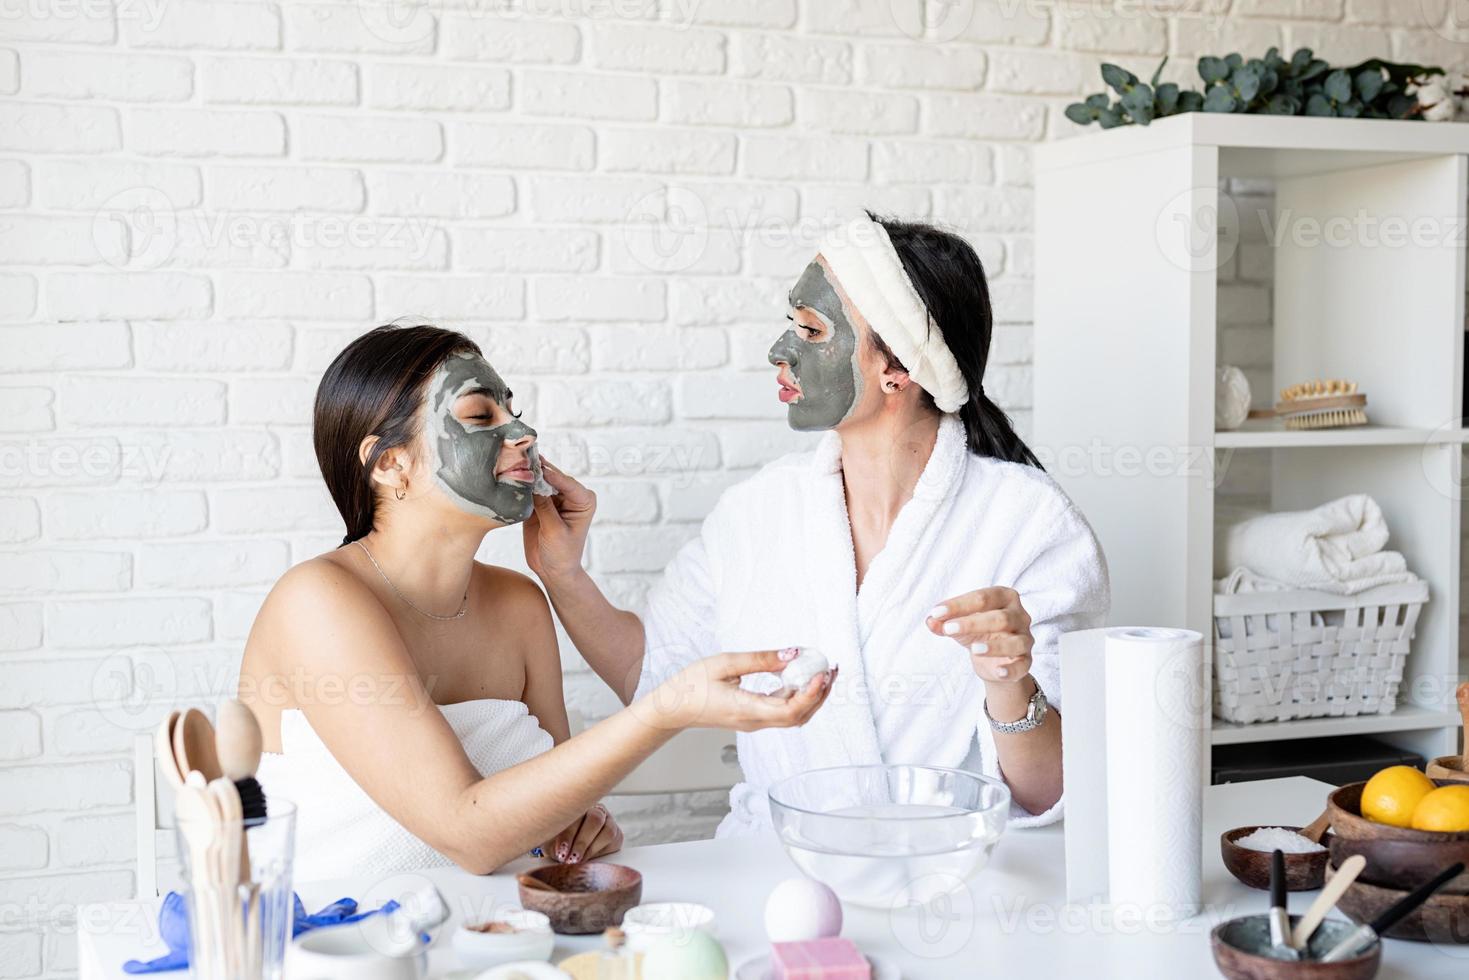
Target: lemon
1446 809
1391 795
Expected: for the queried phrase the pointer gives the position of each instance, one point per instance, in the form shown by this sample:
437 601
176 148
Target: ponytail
949 278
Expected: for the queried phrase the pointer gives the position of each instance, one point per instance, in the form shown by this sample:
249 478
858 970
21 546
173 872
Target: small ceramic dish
1303 872
581 899
646 924
528 970
1241 952
507 938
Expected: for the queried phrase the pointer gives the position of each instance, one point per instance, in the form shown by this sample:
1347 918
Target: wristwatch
1035 713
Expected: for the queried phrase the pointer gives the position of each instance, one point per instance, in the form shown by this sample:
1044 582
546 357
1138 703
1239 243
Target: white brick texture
202 201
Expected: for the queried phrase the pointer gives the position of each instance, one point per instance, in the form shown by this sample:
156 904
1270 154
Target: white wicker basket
1279 656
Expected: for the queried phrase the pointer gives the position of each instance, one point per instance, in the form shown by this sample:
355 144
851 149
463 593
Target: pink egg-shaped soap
801 908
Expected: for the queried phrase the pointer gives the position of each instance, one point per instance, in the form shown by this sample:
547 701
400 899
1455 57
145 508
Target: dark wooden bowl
1404 863
1442 920
1239 943
1347 821
583 898
1447 768
1303 872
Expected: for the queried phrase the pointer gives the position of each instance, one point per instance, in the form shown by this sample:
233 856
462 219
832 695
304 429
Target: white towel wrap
869 270
341 832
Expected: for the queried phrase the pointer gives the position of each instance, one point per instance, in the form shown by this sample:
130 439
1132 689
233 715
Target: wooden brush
1329 404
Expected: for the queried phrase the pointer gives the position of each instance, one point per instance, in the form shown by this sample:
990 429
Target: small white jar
646 924
531 940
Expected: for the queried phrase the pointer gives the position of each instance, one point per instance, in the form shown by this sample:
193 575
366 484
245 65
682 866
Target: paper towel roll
1157 734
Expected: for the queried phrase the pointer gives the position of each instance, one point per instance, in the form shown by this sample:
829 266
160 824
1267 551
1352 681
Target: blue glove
173 928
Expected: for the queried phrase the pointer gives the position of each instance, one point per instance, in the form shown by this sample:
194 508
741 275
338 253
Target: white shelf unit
1127 256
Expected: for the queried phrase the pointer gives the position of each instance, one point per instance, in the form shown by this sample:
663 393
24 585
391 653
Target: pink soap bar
832 958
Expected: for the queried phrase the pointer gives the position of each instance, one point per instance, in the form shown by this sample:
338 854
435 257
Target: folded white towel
341 832
1337 547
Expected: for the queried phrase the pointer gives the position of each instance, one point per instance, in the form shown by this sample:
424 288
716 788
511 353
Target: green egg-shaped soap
686 956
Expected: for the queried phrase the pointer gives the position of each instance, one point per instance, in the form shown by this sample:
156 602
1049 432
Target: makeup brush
1335 888
1364 936
1280 944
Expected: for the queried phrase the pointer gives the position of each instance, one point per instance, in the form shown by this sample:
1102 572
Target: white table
1013 921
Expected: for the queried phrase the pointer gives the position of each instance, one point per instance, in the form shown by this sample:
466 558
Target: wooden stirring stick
535 884
1326 901
238 742
1314 830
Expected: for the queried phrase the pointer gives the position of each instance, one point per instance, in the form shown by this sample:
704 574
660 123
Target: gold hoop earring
400 493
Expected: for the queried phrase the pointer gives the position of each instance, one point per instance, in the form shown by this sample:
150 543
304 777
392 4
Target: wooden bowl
1239 943
581 898
1347 821
1303 872
1447 768
1442 920
1404 863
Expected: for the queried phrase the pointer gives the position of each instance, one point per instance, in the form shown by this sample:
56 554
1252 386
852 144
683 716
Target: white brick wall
201 202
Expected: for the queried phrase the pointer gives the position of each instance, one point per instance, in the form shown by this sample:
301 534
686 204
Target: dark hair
950 280
373 387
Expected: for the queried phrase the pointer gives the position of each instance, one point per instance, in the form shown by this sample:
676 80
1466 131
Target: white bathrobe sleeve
1063 586
678 623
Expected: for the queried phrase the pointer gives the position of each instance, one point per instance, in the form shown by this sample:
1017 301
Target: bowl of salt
1246 853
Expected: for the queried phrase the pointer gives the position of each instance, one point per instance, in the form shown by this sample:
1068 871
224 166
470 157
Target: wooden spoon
198 822
237 740
163 750
238 743
227 868
193 746
1314 830
535 884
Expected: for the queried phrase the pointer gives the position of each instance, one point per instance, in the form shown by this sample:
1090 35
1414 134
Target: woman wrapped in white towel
920 547
410 696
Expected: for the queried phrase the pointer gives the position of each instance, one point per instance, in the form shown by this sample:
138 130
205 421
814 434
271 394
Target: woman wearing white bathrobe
920 547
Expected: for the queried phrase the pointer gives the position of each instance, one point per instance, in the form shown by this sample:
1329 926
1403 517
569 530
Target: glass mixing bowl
890 836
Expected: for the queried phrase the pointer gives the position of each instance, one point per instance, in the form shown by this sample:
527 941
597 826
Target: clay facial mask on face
826 370
466 453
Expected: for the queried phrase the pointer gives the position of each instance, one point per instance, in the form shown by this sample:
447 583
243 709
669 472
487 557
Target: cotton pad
798 673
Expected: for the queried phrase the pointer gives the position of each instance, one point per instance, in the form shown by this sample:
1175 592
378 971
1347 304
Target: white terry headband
869 270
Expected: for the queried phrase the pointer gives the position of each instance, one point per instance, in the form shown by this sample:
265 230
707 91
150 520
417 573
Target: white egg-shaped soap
686 956
799 909
798 673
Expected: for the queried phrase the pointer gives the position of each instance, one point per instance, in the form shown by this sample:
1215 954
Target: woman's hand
707 694
594 835
556 531
993 627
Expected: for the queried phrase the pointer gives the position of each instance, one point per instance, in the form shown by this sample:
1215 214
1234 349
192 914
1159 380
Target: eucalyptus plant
1303 85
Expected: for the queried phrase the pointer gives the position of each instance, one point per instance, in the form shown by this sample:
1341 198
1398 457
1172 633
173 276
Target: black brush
252 800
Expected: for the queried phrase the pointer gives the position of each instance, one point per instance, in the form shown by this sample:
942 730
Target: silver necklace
463 606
